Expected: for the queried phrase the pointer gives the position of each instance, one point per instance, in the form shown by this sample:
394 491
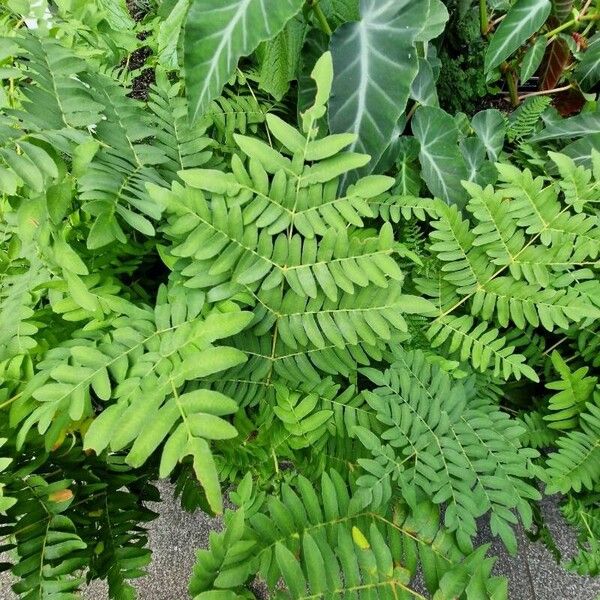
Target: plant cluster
244 248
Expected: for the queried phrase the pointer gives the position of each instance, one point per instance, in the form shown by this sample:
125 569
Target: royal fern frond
327 542
435 437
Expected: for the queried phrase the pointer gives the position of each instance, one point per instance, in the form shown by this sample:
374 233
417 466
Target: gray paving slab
175 535
533 574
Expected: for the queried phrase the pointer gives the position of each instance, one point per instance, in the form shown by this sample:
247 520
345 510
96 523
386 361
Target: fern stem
10 400
556 345
261 111
321 17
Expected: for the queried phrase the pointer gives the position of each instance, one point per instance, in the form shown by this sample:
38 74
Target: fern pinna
365 372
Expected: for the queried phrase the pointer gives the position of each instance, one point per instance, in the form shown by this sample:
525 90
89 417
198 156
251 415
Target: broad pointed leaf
340 11
443 165
562 8
280 56
532 59
556 60
408 180
581 150
523 19
577 126
588 70
375 62
423 88
479 168
490 127
218 33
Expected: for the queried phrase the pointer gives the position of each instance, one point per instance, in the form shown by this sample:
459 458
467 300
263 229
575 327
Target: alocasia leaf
490 127
423 88
523 19
218 33
340 11
434 16
578 126
532 59
588 70
557 59
408 180
562 8
479 168
375 62
443 165
581 150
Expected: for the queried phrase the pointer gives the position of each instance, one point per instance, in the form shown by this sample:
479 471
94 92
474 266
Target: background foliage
333 260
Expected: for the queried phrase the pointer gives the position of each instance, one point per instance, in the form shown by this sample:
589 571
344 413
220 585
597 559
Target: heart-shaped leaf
218 34
375 62
523 19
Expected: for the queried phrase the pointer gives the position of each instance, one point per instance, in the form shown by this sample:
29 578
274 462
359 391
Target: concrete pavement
174 536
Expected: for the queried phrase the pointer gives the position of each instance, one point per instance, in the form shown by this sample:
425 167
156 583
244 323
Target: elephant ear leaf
587 72
532 59
490 127
375 62
524 18
443 166
216 38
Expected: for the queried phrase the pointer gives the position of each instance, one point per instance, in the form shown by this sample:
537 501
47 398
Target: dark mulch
502 103
138 58
138 9
141 85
